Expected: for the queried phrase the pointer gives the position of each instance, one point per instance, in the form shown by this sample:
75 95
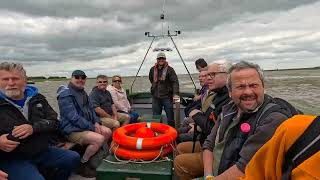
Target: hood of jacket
29 92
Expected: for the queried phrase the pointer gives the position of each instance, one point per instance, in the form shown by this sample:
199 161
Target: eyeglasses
83 77
102 82
117 81
213 74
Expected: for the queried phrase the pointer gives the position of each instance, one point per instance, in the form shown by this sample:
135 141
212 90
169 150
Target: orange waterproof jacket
267 162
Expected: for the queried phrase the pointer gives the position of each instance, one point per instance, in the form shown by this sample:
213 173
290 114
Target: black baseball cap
78 73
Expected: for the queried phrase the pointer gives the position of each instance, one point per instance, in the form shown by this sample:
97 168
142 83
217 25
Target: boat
30 82
141 102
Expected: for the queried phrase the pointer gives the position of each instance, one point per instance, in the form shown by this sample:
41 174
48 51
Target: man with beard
244 125
79 122
187 164
27 123
164 89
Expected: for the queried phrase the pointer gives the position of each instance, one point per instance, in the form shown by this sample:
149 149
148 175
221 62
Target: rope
138 161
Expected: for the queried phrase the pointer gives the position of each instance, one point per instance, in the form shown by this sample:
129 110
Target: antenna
163 35
162 17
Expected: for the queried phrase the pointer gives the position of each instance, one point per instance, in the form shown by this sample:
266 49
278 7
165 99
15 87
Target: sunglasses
102 82
83 77
117 81
214 74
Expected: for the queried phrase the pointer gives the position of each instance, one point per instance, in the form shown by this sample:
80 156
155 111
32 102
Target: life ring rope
137 161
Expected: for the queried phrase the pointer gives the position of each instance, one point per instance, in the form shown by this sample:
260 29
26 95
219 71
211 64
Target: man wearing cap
79 122
164 89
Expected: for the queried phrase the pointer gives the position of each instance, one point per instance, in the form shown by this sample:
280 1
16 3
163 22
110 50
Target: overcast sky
55 37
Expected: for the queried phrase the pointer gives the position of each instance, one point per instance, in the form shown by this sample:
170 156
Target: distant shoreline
36 79
310 68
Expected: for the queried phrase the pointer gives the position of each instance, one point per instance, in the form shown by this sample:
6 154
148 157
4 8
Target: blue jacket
72 115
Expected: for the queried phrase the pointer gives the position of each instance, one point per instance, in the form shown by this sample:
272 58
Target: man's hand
97 128
192 128
115 117
196 97
127 116
7 145
232 173
3 175
22 131
193 112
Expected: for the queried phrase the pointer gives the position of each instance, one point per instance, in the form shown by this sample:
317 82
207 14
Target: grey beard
13 93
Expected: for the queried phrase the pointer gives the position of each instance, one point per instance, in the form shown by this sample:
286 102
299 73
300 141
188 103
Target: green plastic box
133 171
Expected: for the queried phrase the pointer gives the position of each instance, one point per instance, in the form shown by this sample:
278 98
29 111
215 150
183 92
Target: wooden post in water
177 113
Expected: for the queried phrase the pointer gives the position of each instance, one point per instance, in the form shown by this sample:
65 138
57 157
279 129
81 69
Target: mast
163 34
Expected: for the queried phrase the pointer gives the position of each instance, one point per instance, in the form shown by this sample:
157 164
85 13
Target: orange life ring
145 155
167 135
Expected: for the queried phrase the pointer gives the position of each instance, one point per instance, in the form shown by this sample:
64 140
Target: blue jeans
64 160
133 116
167 104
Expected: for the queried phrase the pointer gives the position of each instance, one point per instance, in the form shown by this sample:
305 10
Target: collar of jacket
222 90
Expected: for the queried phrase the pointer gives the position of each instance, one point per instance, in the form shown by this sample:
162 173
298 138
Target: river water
299 87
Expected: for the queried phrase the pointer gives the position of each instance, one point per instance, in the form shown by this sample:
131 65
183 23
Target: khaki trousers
188 165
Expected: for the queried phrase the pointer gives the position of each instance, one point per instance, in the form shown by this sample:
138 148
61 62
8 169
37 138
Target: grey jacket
264 130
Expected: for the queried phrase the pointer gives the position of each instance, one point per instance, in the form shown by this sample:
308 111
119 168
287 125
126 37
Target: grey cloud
112 31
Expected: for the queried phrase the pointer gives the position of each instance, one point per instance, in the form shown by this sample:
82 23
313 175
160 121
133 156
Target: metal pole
142 64
177 114
195 87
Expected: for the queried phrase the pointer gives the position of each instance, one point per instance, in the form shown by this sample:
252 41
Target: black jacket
203 120
239 147
166 88
42 118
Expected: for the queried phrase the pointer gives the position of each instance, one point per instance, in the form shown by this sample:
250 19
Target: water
299 87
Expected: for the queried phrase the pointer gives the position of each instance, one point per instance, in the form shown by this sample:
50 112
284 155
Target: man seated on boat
185 132
202 67
104 105
164 89
187 164
244 125
291 153
79 122
27 123
119 97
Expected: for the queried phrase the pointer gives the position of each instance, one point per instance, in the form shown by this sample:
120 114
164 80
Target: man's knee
100 139
188 166
116 125
21 170
72 159
179 165
184 147
106 132
94 138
